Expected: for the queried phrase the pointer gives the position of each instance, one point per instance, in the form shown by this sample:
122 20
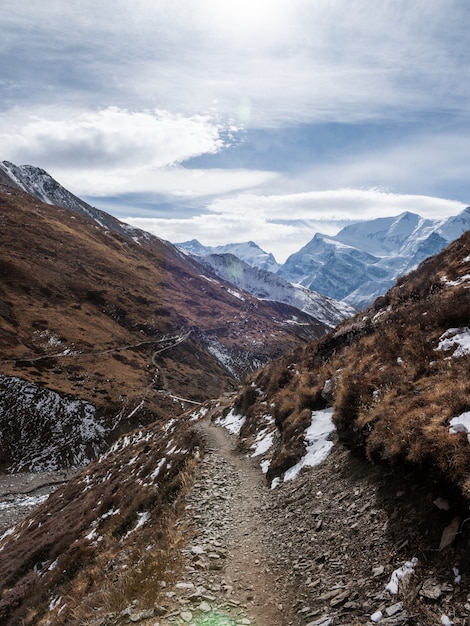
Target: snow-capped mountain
38 183
249 252
364 260
268 286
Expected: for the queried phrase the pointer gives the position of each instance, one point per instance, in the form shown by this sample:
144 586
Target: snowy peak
249 252
365 259
39 184
385 235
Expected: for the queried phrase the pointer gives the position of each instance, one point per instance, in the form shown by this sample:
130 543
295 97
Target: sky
238 120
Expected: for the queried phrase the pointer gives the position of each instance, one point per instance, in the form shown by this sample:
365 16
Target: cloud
299 60
283 224
113 137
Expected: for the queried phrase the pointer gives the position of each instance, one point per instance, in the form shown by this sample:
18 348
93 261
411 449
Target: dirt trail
231 575
251 562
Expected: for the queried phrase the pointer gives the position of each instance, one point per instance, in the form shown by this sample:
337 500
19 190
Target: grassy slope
393 394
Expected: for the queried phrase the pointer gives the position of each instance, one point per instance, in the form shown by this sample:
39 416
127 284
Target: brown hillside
393 392
128 326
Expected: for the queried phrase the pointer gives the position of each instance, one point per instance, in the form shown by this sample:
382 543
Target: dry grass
105 538
393 394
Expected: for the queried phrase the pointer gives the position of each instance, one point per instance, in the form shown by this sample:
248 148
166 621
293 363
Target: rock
326 620
138 617
186 616
442 504
430 589
395 608
449 533
339 599
378 571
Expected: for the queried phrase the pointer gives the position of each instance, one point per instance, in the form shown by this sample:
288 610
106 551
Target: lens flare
215 619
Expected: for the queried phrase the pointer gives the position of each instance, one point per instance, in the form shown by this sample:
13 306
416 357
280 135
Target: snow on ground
405 570
23 500
457 339
232 422
317 444
460 424
264 440
455 283
236 294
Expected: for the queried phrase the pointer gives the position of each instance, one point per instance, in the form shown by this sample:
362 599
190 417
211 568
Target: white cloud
112 138
173 182
283 224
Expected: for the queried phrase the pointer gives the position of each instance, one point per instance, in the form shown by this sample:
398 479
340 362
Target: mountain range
104 327
362 261
95 325
355 266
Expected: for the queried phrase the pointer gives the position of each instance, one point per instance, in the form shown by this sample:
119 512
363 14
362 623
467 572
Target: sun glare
245 17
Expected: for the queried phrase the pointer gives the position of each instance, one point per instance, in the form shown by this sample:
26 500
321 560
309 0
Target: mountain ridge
370 254
125 324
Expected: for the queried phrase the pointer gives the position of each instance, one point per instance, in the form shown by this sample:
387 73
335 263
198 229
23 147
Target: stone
449 533
430 589
395 608
326 620
138 617
186 616
339 599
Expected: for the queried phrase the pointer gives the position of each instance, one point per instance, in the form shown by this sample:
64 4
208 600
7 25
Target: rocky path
318 551
231 576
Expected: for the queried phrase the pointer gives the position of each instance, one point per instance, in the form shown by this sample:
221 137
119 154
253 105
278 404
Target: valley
178 449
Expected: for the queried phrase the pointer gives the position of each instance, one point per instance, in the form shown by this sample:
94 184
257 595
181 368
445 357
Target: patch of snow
156 471
275 482
236 294
455 283
317 442
457 339
54 603
91 535
199 414
376 617
264 440
265 465
445 621
460 424
232 422
405 570
142 518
